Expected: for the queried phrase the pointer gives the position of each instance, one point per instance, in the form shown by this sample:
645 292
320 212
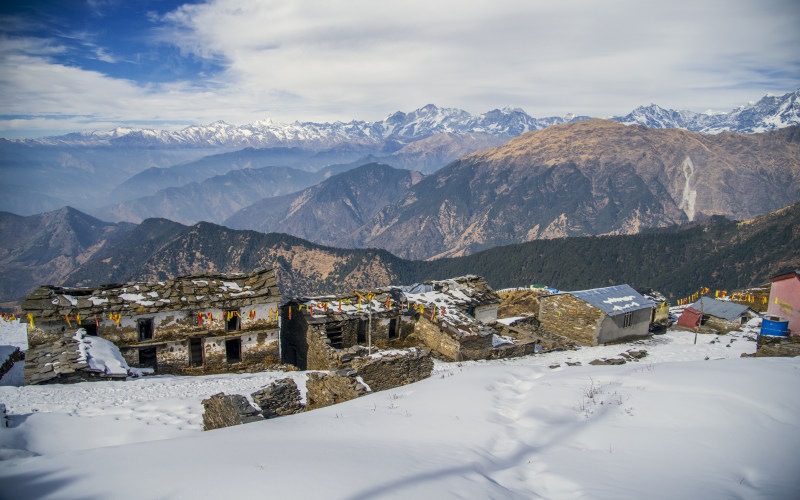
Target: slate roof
614 299
181 293
451 298
726 310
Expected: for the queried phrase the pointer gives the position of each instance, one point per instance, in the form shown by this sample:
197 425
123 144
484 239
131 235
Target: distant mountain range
95 170
45 248
335 207
716 252
769 113
583 178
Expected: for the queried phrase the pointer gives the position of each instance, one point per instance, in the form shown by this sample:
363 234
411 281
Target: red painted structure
690 318
784 299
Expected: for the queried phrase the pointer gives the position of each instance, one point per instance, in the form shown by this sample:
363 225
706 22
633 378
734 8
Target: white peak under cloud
769 113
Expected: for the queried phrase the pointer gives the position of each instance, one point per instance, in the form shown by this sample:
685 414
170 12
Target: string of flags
272 315
722 294
116 318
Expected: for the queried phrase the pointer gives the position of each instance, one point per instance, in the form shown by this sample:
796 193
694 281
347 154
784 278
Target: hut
784 300
719 315
451 317
205 323
597 316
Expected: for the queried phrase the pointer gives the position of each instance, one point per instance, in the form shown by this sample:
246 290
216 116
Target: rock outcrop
223 410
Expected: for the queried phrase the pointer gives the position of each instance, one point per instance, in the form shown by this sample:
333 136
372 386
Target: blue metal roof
729 311
614 299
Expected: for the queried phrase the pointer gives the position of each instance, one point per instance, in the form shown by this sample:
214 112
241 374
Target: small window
91 329
393 328
147 358
145 326
232 320
627 319
233 350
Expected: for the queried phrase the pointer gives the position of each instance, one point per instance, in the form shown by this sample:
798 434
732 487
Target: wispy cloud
337 59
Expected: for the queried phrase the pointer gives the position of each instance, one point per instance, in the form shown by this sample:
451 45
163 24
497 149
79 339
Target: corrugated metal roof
614 299
729 311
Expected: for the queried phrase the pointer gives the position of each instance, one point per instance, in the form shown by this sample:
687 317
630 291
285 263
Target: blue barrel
775 328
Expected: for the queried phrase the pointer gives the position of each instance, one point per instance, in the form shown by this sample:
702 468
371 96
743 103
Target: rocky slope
336 206
45 248
213 199
158 249
587 177
432 153
715 252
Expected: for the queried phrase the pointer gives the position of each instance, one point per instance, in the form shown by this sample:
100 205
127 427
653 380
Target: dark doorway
145 327
362 332
334 333
196 352
290 355
90 329
147 358
233 350
393 328
232 321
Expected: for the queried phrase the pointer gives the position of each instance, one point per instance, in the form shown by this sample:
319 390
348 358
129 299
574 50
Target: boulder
278 399
222 410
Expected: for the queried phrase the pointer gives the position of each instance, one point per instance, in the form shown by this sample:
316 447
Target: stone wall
279 399
259 351
384 371
59 362
326 389
570 317
438 341
320 354
778 346
222 410
720 325
8 363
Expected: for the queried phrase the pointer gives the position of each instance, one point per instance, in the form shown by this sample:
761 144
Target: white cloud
336 59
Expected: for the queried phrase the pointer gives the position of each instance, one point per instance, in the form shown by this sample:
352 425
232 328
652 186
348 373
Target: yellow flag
30 317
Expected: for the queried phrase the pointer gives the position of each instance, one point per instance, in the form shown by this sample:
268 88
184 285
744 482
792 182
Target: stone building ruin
197 324
453 318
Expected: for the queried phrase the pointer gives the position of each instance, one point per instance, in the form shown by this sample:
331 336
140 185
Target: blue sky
74 65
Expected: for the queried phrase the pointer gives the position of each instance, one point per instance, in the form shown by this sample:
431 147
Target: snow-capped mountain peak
769 113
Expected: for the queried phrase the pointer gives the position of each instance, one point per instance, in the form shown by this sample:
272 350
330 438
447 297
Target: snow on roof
614 299
100 354
207 290
726 310
446 301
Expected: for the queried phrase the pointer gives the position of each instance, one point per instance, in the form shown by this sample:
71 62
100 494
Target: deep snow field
687 421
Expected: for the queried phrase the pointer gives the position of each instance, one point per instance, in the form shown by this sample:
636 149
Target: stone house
718 315
451 317
597 316
784 299
197 324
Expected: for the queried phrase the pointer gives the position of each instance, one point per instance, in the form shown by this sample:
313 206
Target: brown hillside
585 178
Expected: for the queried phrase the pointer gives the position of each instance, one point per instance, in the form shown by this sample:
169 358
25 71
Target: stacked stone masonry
189 325
60 361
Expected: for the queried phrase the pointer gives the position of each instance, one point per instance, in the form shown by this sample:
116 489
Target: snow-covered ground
689 420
